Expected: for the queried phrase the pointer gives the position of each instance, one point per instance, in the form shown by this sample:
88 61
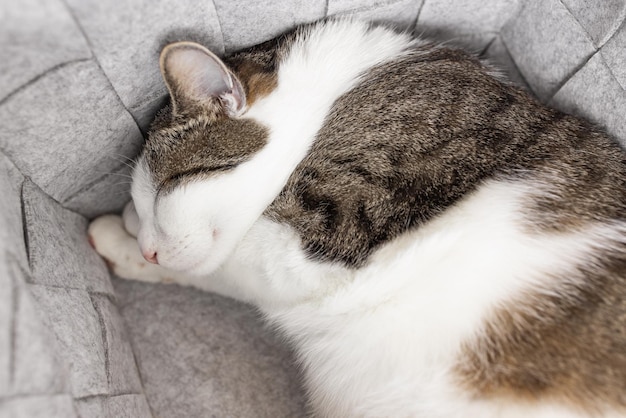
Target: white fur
382 344
310 79
380 341
375 342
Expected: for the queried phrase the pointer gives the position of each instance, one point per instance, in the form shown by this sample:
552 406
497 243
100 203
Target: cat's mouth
191 262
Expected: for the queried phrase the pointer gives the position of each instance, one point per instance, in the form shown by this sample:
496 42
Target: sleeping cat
433 241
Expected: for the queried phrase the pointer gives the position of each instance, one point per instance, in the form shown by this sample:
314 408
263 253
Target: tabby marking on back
432 240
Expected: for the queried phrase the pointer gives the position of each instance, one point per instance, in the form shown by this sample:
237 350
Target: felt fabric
73 100
199 352
37 36
544 63
79 85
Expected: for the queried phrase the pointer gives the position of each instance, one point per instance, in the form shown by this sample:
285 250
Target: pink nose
150 256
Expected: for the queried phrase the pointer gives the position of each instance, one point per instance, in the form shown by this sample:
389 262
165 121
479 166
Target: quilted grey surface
79 83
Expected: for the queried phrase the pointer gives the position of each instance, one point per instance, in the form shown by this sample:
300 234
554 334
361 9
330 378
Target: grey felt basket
79 84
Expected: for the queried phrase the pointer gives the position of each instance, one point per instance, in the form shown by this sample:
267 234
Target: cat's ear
195 76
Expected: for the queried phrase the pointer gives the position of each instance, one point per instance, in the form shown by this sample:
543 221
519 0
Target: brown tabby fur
408 142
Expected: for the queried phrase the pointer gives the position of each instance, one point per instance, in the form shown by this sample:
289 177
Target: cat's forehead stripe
201 145
201 150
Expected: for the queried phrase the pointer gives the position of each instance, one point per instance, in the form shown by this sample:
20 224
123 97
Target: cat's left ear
196 76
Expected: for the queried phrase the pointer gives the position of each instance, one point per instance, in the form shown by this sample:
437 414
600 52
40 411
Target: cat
432 240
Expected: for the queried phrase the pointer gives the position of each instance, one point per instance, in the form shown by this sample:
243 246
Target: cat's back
435 240
416 131
487 231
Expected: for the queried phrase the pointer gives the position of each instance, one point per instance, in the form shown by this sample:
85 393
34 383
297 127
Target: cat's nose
150 256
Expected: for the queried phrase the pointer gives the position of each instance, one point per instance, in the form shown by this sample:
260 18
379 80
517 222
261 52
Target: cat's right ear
196 77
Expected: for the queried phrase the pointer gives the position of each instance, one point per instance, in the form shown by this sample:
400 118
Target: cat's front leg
110 238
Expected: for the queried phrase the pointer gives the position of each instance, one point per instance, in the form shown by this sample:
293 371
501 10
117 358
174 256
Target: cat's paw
131 219
108 236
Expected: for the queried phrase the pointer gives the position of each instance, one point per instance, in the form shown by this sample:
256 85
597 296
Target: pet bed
79 84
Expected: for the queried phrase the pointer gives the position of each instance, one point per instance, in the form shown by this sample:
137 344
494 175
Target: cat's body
433 241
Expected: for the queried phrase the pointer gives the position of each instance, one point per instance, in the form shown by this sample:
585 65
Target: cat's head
190 187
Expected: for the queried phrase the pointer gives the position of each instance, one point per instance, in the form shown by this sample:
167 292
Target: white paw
105 234
120 250
131 219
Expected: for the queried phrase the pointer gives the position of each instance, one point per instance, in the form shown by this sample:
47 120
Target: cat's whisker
124 157
108 173
121 193
127 161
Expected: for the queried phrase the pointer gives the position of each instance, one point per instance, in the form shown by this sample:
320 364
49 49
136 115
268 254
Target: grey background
79 84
